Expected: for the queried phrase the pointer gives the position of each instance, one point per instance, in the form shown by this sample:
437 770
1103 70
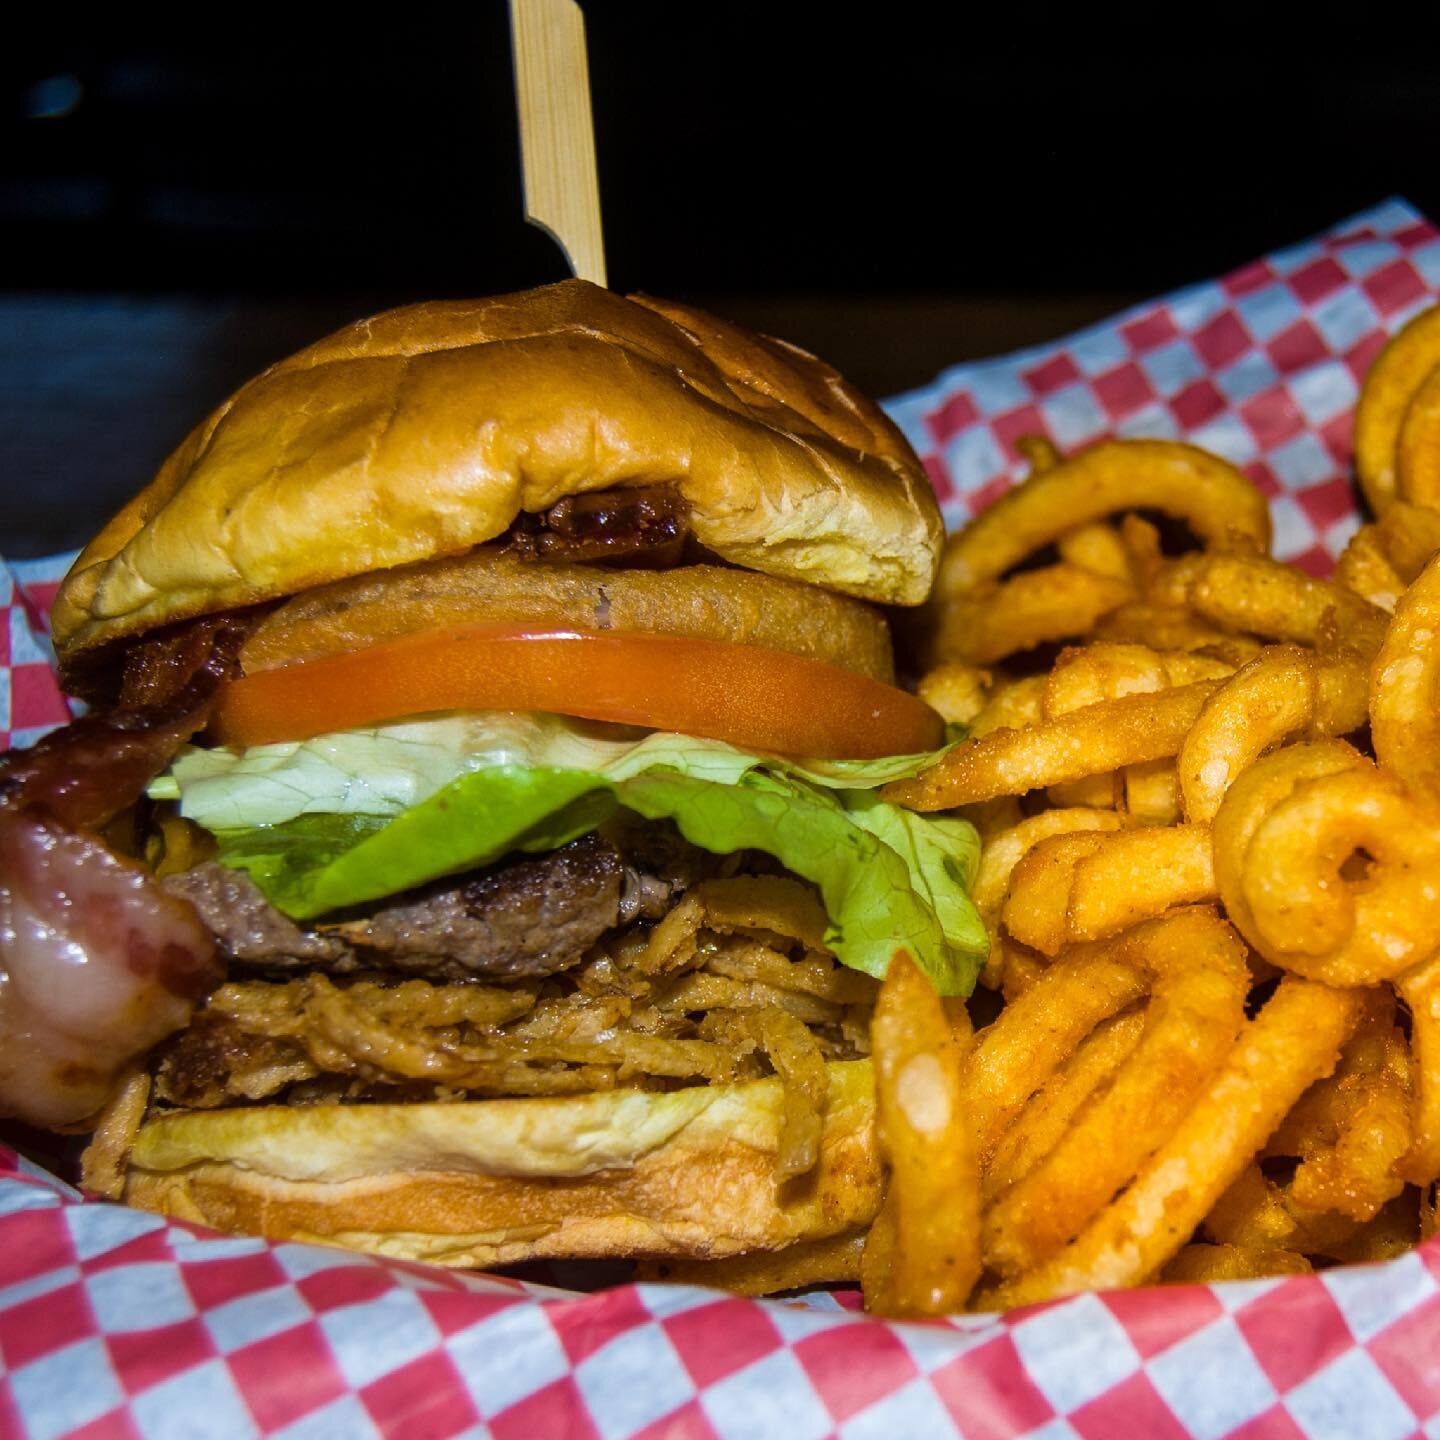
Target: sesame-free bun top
424 431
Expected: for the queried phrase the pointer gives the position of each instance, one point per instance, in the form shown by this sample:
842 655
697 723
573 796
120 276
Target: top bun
424 432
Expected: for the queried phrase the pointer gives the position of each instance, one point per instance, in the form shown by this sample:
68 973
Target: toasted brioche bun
424 431
688 1173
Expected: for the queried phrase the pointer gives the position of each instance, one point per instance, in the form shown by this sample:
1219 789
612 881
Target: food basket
118 1323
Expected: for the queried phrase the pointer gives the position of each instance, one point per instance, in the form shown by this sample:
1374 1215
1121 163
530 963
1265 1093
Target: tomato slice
754 698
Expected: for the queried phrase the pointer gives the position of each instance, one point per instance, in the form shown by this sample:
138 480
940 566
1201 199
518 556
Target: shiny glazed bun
425 431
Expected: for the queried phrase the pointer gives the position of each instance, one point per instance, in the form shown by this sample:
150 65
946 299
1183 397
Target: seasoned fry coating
1405 688
934 1194
1196 1011
1294 1040
1187 752
1090 741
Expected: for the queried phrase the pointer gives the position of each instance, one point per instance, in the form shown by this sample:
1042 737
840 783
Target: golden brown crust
424 431
708 602
695 1179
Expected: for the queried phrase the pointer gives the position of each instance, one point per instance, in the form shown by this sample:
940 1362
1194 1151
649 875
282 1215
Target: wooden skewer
557 136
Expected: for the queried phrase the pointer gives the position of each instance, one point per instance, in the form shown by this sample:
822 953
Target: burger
473 851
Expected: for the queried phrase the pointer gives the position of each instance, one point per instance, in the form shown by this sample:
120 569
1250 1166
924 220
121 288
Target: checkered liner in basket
115 1323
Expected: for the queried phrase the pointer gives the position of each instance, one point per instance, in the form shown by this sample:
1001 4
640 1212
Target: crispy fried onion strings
733 984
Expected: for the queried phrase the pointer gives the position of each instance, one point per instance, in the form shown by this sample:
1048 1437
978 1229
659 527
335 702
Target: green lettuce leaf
337 821
387 769
878 898
317 863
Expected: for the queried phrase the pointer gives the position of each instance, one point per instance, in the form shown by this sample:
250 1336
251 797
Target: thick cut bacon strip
87 772
98 964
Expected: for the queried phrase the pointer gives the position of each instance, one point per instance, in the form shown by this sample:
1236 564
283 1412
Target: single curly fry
1094 792
1037 908
1255 1211
1105 670
1420 990
1364 567
1098 547
1137 874
1002 853
1142 545
1020 968
1411 534
924 1134
1011 705
958 692
1396 374
1039 452
1265 597
1257 790
1059 602
1217 502
1044 1121
1417 455
1152 793
1090 741
1284 691
1166 627
991 818
1073 889
1405 688
1349 1166
1207 1264
1086 675
1306 915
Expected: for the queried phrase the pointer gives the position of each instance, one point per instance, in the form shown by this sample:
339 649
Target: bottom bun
687 1173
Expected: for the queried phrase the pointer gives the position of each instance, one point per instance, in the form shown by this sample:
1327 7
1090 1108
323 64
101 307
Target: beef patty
525 918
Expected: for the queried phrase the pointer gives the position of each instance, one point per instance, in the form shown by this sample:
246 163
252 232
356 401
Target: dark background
180 205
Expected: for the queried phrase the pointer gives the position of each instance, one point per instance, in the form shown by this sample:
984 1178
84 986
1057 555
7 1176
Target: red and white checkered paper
115 1323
